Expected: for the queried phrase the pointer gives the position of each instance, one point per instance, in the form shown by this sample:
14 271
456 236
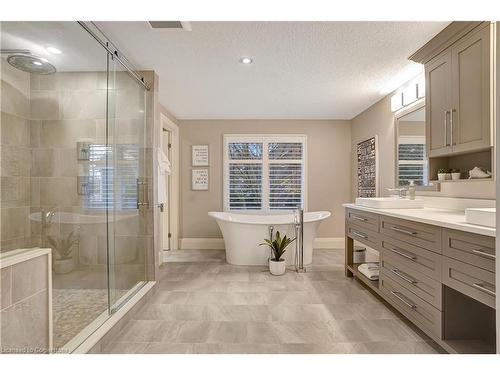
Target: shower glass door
129 191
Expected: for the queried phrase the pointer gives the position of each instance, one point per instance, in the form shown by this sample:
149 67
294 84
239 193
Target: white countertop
447 218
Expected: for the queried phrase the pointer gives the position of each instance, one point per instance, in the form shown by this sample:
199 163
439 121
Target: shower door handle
142 186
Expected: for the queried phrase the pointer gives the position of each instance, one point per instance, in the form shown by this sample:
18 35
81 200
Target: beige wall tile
35 133
67 163
58 191
29 277
44 105
15 191
14 130
87 250
5 287
43 162
25 325
15 223
15 77
35 191
83 104
65 133
16 161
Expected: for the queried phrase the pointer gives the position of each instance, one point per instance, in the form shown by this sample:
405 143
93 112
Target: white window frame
265 139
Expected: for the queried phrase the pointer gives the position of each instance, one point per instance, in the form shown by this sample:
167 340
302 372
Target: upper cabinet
438 104
470 118
458 78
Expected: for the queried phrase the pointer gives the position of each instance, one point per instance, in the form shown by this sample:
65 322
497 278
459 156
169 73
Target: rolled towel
370 274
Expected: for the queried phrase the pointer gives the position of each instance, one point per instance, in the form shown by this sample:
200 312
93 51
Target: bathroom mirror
411 158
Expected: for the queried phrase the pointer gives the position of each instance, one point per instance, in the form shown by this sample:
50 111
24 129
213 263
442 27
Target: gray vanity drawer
364 219
414 257
423 235
470 248
423 286
469 280
423 314
363 235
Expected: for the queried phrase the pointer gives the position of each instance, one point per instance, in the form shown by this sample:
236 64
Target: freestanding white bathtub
244 232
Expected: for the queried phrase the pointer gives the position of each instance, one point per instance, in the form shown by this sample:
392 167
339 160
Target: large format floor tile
209 306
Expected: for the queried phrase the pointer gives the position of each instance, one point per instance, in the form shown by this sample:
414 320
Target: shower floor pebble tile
213 307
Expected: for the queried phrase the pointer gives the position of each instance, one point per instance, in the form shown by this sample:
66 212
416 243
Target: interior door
165 215
471 92
438 104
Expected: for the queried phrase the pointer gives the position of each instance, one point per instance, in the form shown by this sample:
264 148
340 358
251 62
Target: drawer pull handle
359 234
484 254
482 288
411 257
359 218
404 231
409 304
398 273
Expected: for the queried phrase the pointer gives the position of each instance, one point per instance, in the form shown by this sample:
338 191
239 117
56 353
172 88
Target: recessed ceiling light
246 60
38 63
54 50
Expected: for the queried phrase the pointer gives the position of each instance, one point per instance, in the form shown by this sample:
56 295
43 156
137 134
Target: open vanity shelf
440 279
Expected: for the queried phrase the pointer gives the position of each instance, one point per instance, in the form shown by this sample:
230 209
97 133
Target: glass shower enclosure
76 168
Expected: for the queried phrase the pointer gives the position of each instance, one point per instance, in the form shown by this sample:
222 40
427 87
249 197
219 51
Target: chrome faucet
401 191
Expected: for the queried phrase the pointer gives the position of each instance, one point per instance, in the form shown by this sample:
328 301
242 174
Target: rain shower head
31 64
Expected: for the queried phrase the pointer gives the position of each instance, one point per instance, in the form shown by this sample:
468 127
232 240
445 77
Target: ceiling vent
170 25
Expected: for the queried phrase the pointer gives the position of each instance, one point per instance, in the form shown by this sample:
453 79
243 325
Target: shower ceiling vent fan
24 60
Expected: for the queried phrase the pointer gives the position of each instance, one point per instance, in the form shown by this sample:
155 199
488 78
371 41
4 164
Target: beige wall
329 156
376 120
379 120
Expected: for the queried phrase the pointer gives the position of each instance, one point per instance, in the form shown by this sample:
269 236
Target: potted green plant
442 174
455 174
277 264
63 251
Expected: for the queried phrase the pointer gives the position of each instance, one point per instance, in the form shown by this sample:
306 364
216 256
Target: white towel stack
370 270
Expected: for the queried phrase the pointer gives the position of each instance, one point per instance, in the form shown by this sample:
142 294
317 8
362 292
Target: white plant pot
455 176
63 266
277 268
448 176
442 176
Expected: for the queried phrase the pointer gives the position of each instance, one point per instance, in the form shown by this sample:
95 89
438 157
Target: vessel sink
389 202
481 216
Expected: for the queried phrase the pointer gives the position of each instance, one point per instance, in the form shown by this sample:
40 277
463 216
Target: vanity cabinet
438 278
458 95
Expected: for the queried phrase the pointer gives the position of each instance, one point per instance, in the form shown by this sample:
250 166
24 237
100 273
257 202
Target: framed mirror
412 163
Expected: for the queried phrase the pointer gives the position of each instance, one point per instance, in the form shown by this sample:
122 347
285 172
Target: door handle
484 254
359 218
359 234
411 257
446 127
399 274
403 231
409 304
451 127
482 288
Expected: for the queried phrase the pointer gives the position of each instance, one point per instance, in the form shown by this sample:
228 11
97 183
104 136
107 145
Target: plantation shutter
245 175
113 184
285 175
264 172
412 162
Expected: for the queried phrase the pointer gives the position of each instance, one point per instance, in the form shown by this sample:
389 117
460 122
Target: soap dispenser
411 190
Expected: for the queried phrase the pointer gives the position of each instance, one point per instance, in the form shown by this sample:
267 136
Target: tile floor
208 306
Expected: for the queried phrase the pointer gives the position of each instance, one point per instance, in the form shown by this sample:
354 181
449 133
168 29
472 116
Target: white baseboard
201 244
329 243
218 243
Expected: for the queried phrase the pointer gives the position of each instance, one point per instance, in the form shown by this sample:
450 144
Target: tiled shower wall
15 160
66 108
